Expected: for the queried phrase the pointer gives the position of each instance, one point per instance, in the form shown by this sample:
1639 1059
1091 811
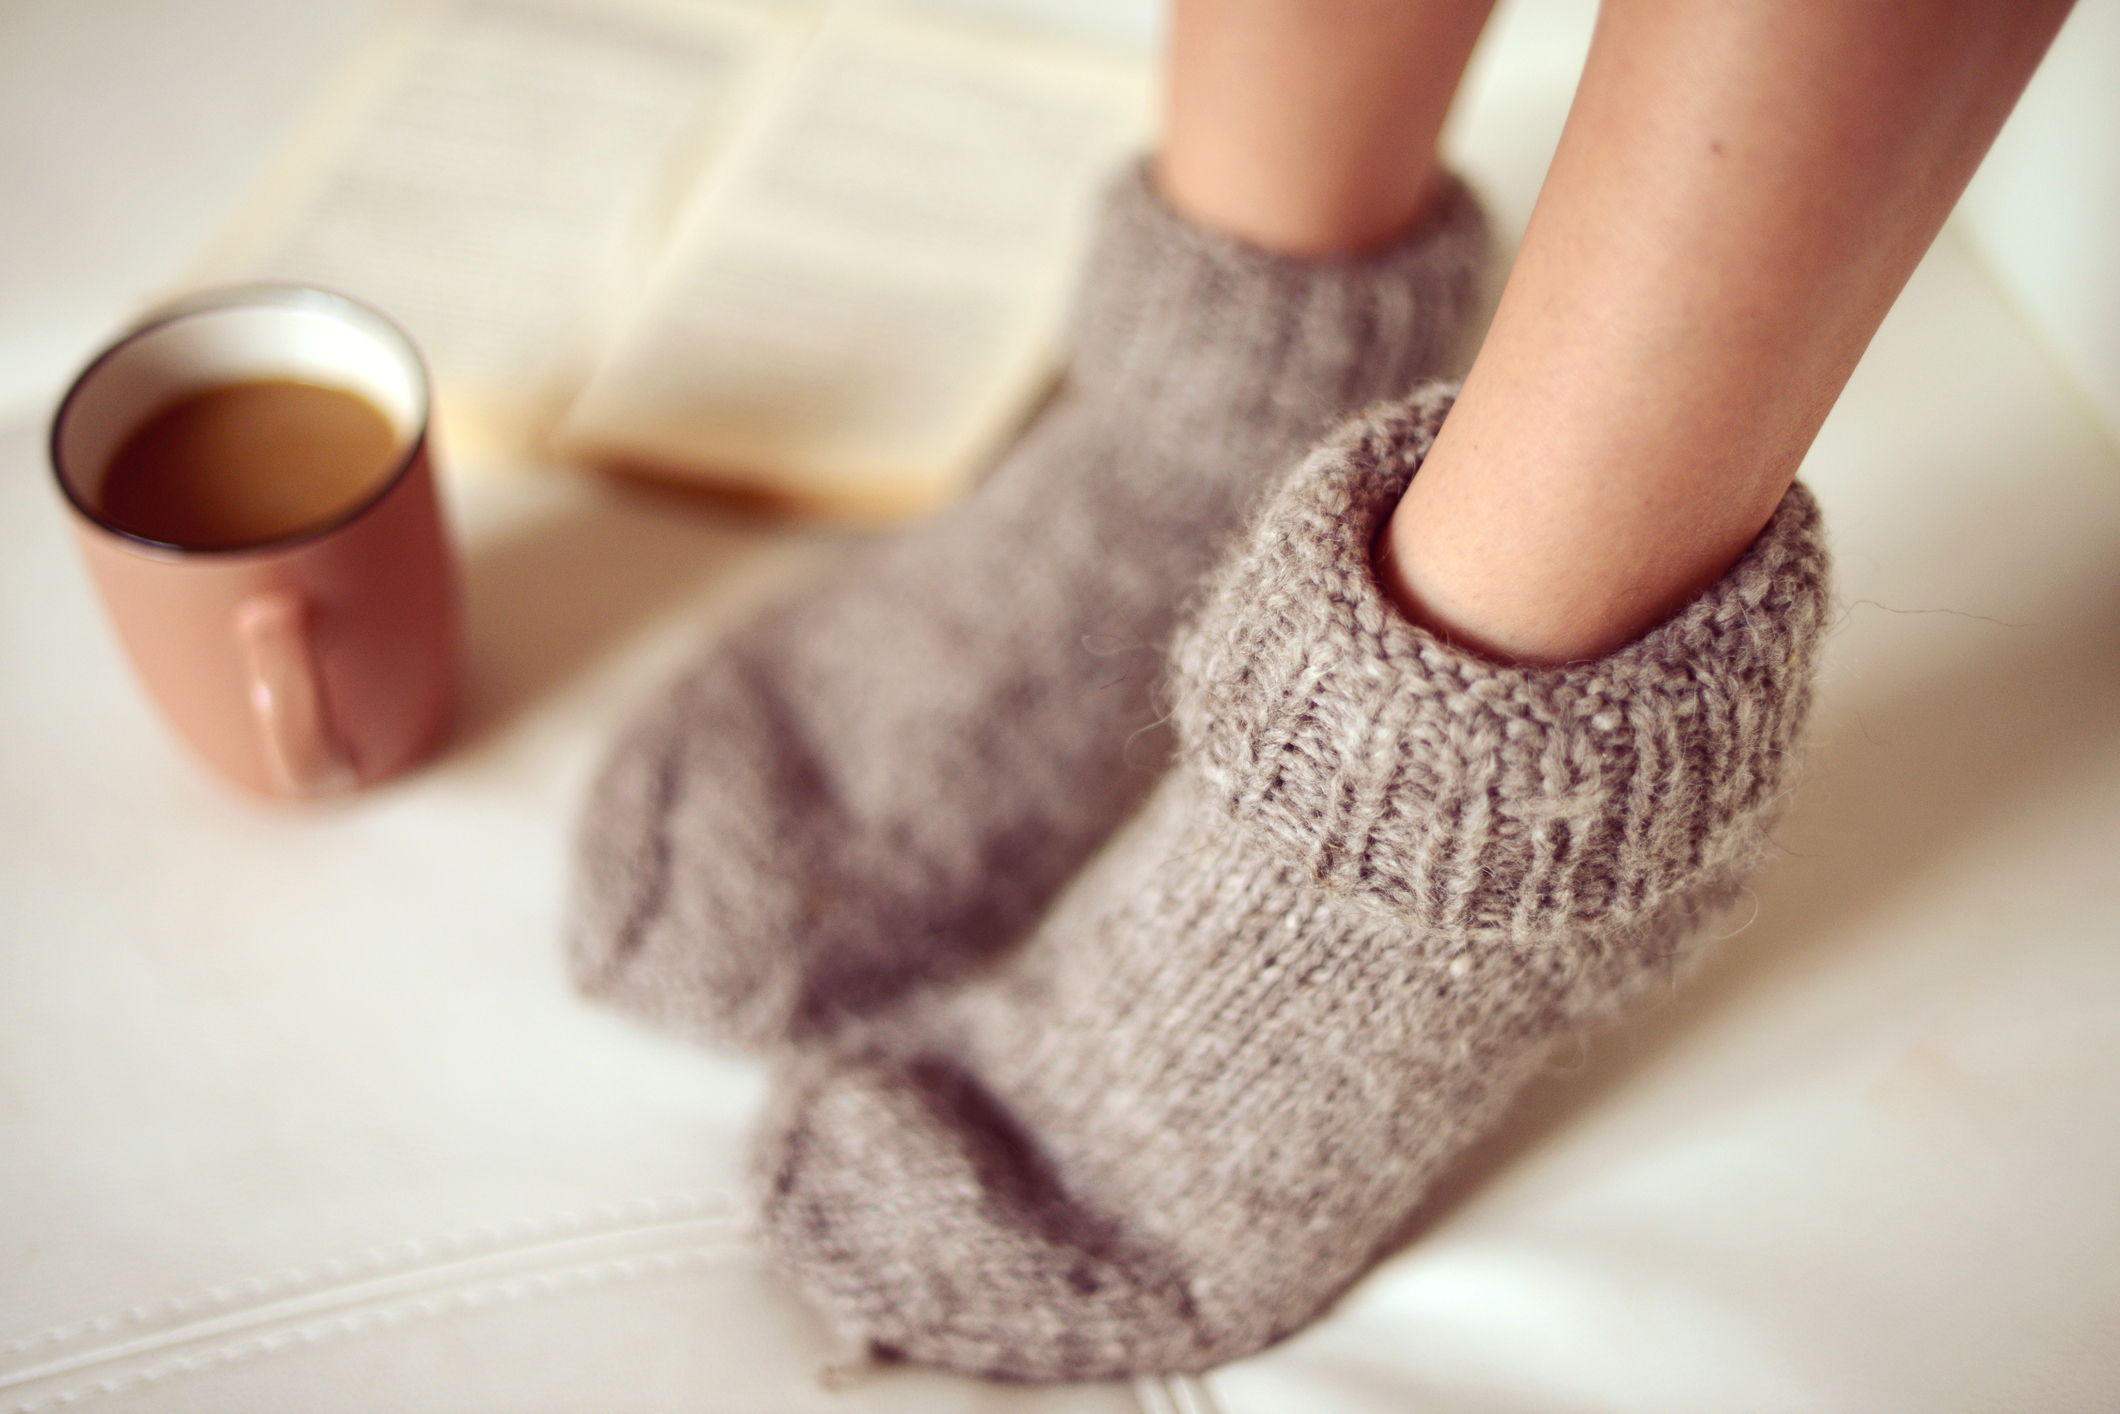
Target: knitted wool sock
1381 877
886 779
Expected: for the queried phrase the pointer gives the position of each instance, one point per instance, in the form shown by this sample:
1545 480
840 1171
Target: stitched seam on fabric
1175 1394
392 1260
464 1300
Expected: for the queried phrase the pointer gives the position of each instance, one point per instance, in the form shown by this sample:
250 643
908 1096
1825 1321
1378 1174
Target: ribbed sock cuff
1516 803
1217 333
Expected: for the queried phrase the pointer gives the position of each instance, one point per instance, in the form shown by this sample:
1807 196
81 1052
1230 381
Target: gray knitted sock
1382 876
892 776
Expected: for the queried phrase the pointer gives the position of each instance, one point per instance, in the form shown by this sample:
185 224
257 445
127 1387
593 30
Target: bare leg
1740 193
1309 126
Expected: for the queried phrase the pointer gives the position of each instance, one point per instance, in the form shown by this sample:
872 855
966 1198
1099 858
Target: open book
819 255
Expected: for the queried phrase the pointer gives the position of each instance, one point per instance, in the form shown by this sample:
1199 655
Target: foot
887 780
1381 877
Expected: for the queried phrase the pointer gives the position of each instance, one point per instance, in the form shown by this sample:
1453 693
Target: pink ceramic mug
313 663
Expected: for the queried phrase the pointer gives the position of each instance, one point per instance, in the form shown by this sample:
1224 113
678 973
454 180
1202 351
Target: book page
870 294
499 172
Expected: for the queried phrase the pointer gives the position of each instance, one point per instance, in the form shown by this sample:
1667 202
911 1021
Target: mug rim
255 294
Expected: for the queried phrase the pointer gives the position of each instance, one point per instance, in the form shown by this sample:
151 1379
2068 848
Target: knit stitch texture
1382 877
888 778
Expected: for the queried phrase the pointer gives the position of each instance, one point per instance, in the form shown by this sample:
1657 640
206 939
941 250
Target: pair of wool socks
1170 1124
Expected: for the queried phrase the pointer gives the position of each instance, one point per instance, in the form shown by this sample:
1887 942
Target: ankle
1533 557
1315 219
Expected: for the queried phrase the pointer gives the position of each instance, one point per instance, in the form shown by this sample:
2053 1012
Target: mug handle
286 695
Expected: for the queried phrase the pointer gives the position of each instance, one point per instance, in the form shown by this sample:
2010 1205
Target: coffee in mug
247 463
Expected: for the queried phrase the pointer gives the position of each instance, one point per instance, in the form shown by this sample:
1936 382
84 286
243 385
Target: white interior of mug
235 336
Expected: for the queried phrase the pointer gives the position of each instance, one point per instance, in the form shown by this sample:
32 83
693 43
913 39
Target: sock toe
690 835
919 1215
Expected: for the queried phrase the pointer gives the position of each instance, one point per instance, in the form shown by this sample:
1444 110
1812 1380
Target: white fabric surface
296 1111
